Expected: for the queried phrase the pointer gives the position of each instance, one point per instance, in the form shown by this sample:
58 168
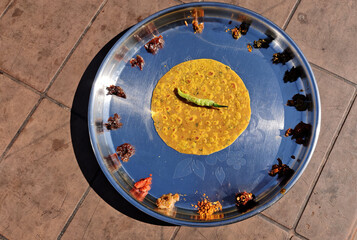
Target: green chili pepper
198 101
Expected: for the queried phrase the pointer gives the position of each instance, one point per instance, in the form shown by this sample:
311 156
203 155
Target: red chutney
141 188
144 184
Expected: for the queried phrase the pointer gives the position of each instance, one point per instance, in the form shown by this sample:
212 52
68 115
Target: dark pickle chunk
113 122
138 61
283 57
116 90
300 102
263 43
125 151
293 74
237 32
244 27
243 198
281 169
154 44
301 133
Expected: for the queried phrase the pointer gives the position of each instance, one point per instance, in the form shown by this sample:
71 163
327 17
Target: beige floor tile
252 228
296 238
36 36
189 1
332 208
126 13
335 97
13 97
40 181
325 32
3 5
277 10
96 219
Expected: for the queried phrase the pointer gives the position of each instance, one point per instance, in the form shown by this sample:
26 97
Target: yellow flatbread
193 129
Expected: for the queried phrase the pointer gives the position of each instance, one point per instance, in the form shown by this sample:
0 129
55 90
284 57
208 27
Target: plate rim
313 141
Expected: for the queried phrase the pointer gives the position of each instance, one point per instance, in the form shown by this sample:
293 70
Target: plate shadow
83 148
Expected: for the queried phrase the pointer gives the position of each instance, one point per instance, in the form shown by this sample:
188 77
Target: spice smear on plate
112 162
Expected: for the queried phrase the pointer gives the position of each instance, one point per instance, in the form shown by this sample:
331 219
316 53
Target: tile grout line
65 107
75 46
291 14
6 8
44 94
23 125
320 170
281 226
68 222
300 236
174 234
333 74
272 221
29 87
2 237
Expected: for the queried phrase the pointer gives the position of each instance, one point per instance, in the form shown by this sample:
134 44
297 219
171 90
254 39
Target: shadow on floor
83 149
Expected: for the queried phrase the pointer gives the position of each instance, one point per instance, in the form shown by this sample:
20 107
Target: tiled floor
46 46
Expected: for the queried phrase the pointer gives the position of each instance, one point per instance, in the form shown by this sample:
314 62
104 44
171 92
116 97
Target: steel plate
244 165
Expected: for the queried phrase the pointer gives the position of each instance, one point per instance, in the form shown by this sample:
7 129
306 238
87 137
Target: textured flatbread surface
193 129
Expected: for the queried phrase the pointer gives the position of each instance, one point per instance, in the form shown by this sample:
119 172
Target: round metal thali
244 165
